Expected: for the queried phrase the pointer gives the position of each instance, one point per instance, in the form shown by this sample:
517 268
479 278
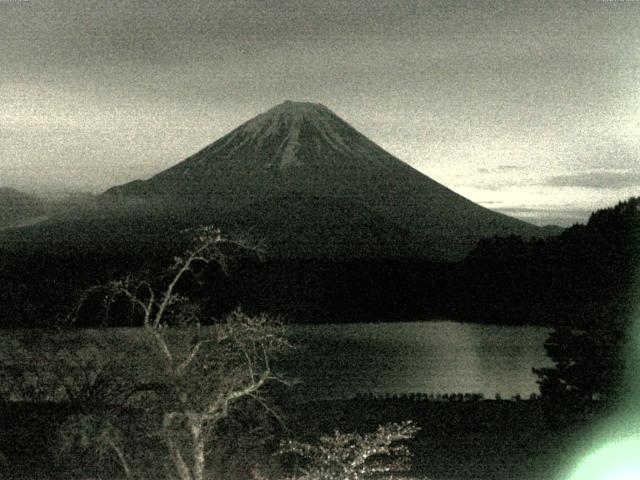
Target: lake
342 360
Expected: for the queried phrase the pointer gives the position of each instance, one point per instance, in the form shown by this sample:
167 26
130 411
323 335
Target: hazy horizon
528 108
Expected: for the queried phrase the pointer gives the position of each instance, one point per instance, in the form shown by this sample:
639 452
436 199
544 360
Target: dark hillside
582 274
17 207
586 273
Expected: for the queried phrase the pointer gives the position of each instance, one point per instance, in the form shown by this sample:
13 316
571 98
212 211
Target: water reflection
432 357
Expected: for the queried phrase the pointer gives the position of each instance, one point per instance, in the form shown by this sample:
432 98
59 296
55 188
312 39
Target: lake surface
340 361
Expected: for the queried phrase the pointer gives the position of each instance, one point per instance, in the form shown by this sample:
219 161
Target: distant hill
17 208
311 185
69 204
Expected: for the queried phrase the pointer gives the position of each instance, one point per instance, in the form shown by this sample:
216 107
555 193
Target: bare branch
192 355
225 400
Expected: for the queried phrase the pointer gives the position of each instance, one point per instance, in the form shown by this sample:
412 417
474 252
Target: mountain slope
17 208
302 157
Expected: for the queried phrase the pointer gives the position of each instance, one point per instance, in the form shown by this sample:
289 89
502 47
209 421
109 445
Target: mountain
17 208
311 185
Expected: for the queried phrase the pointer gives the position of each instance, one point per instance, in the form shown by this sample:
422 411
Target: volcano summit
311 185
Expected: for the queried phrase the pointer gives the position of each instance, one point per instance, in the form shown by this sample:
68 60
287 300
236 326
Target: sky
531 108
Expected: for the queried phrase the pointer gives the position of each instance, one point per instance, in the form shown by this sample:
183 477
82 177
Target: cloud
501 169
597 179
551 215
551 210
509 168
609 153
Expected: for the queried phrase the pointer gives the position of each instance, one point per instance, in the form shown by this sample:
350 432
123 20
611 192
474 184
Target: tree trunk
178 461
198 449
123 461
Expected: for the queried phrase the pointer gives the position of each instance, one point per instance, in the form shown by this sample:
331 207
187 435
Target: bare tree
355 456
195 375
189 378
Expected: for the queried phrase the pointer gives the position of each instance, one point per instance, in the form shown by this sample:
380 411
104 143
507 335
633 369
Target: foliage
588 347
64 372
582 275
354 456
589 364
97 435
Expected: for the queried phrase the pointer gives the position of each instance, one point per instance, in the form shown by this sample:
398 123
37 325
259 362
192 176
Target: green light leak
616 461
615 452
